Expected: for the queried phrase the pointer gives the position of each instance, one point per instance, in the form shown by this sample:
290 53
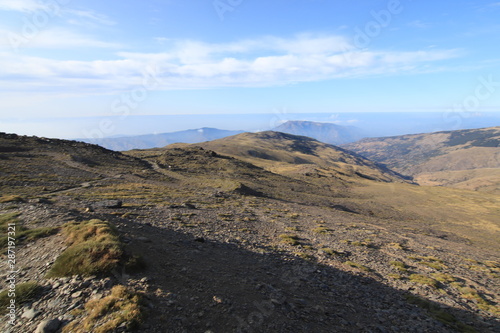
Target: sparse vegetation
321 230
11 198
121 307
482 303
289 239
94 248
399 265
422 279
439 314
25 292
357 265
443 277
434 265
329 251
22 234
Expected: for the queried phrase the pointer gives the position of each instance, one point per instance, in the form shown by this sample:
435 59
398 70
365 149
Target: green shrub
94 249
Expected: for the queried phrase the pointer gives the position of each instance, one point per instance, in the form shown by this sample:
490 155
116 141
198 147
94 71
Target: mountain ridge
283 152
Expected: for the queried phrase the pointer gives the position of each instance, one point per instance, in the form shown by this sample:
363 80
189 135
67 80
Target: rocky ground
221 266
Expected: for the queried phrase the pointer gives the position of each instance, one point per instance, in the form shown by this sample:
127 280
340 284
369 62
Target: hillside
161 139
468 159
324 132
189 239
298 155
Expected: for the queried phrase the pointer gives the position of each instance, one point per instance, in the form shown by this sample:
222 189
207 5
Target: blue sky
117 59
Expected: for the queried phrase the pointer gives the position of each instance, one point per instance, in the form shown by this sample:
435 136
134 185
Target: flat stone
48 326
30 314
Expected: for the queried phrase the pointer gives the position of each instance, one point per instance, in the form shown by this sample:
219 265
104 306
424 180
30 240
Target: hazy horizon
372 123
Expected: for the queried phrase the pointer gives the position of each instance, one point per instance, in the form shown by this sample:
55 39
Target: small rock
76 294
108 204
30 314
48 326
73 306
144 239
108 283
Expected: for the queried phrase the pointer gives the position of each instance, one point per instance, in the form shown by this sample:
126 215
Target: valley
466 159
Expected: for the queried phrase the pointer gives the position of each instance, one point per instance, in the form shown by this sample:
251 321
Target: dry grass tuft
105 315
94 249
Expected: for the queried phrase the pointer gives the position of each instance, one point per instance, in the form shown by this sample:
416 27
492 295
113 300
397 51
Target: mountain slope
40 165
324 132
206 242
162 139
463 159
298 155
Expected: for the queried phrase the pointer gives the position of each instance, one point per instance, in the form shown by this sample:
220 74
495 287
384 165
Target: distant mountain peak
157 140
324 132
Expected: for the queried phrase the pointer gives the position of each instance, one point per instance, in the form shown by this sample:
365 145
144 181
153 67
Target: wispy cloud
268 61
73 16
419 24
22 5
86 18
54 38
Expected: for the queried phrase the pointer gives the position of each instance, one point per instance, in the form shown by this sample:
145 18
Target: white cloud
268 61
22 5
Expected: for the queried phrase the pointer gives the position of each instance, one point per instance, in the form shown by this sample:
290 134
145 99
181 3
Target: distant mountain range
160 140
468 159
324 132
